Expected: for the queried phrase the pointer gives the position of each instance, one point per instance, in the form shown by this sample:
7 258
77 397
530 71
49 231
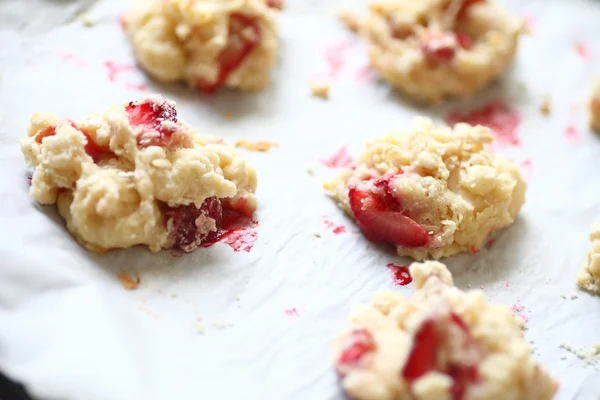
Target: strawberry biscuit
441 343
589 275
205 43
433 49
136 174
431 192
595 107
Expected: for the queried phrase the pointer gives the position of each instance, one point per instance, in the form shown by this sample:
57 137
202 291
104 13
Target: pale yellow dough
447 182
588 277
393 326
119 199
397 30
182 40
595 106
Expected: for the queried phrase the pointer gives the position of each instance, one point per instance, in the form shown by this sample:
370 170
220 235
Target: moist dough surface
431 191
136 174
433 49
441 343
206 43
589 275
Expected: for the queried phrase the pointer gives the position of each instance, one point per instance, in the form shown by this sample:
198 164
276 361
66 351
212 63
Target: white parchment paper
69 330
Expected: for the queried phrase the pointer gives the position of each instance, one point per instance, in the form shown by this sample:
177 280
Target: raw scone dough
136 175
433 49
206 43
589 275
595 107
431 191
441 344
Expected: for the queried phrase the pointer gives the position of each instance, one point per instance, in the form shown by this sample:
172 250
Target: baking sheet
69 330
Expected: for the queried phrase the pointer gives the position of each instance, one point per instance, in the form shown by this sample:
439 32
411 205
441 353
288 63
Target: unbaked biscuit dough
137 175
440 344
595 106
433 49
431 191
206 43
589 275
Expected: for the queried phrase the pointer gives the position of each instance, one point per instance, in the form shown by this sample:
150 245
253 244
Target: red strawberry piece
244 35
439 47
359 342
190 225
278 4
464 41
150 116
380 224
423 357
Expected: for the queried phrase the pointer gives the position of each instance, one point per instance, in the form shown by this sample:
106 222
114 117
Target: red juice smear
122 21
334 57
527 165
292 312
583 50
68 56
141 87
502 120
572 133
364 74
238 231
335 228
518 310
401 274
114 69
340 158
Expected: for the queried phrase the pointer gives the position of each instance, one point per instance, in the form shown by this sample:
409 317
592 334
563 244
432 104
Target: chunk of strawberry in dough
190 226
150 116
244 35
429 341
380 224
439 47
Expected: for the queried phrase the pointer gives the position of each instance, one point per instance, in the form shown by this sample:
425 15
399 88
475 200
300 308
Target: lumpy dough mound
136 174
441 343
433 49
431 191
205 43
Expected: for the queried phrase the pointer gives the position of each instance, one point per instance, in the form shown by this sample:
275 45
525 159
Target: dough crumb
545 107
128 281
261 146
573 296
594 106
350 19
85 20
200 328
588 277
317 234
591 356
222 325
310 171
563 296
320 89
228 116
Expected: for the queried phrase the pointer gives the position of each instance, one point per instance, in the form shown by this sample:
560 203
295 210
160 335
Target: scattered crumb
563 296
127 281
256 146
200 328
481 287
591 357
468 285
573 296
173 294
228 116
563 357
545 108
317 234
310 171
222 325
237 298
320 89
350 19
85 20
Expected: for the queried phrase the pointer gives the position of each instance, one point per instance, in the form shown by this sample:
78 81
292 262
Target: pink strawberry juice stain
115 69
335 228
292 312
341 158
401 274
238 231
499 117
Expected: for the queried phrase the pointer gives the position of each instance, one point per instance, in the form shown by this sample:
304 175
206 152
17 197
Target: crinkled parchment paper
69 330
